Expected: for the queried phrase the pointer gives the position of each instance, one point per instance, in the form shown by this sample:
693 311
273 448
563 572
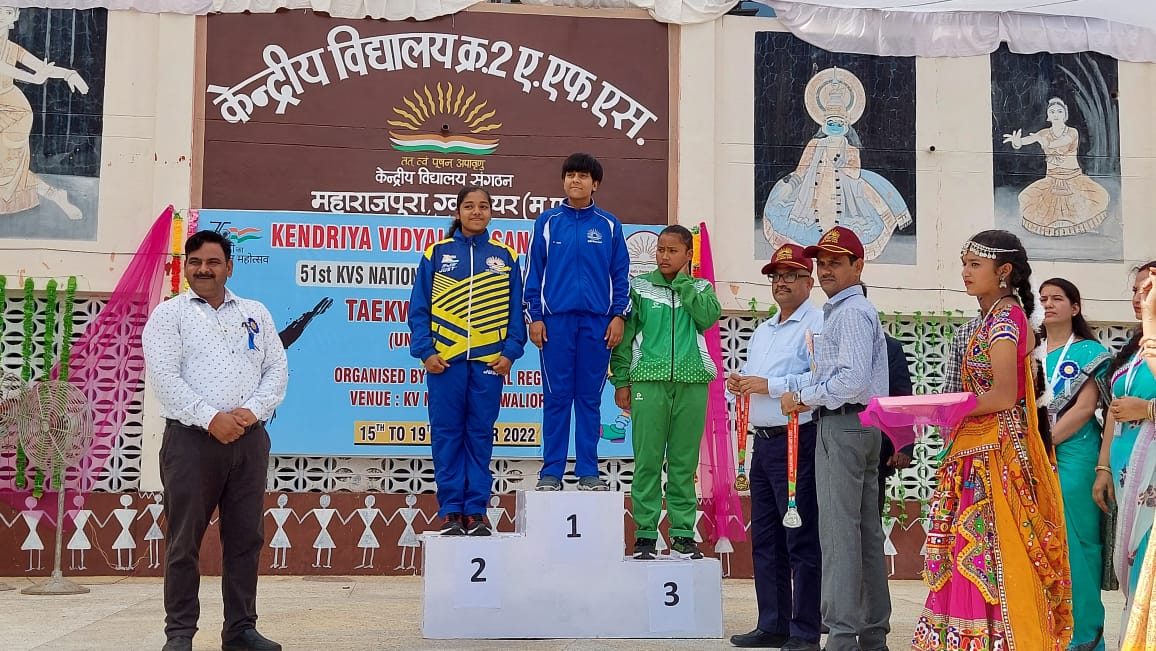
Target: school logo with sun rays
445 120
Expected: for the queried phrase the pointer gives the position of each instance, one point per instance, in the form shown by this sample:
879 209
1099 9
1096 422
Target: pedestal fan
54 424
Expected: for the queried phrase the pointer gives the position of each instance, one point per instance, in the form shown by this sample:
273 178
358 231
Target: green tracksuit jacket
664 360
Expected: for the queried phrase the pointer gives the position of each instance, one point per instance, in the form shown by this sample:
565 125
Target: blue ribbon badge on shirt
253 329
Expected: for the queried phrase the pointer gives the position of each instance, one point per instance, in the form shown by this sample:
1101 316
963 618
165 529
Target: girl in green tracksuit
661 371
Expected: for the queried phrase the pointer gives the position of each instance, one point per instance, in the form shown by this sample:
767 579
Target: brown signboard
307 112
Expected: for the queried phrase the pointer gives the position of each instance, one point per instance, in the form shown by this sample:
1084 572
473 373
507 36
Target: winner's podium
563 574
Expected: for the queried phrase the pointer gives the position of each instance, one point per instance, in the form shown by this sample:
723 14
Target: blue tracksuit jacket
465 303
577 263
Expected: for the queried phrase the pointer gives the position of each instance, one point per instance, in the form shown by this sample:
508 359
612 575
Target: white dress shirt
778 352
200 362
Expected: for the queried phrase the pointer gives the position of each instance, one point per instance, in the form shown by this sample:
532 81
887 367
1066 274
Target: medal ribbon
791 519
742 423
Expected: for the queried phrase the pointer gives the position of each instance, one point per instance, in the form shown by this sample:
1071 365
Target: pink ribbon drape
716 461
107 362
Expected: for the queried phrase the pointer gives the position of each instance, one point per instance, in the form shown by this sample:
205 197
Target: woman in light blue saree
1076 377
1126 470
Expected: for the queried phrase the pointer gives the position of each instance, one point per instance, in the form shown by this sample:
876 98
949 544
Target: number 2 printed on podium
479 570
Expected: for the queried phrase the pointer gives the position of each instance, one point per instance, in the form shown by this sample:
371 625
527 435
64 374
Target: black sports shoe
476 525
682 547
453 525
645 549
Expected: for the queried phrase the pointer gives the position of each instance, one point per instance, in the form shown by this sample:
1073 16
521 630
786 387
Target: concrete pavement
341 613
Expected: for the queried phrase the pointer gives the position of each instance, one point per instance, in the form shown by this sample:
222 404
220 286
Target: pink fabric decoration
716 465
900 416
107 361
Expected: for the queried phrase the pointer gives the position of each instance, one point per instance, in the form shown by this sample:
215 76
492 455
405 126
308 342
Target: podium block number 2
670 596
478 575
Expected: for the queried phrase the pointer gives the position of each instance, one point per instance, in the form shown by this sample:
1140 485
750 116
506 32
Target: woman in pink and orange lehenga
997 561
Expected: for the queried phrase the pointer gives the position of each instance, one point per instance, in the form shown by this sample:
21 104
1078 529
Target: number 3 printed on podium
670 596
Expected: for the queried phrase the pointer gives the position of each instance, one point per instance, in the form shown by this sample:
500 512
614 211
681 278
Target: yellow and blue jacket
467 301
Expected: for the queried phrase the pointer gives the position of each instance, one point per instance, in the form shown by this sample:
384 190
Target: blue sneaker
592 483
548 483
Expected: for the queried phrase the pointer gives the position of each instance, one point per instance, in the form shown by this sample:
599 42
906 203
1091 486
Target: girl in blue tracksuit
466 318
577 300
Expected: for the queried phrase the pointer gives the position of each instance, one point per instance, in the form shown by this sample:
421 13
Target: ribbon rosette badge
253 329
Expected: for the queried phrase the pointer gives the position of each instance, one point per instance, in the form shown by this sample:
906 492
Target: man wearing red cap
850 369
777 363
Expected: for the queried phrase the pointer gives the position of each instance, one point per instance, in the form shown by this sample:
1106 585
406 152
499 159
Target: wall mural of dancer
1056 160
51 120
834 145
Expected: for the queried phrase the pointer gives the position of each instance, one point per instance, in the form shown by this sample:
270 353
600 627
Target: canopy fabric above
1124 29
667 11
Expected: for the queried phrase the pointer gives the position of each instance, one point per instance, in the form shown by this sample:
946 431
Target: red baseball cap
790 255
838 240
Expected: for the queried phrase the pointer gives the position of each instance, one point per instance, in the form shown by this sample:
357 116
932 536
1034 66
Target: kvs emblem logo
431 117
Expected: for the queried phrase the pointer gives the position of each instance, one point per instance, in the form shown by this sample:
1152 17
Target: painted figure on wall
834 143
829 187
20 188
1065 201
279 543
79 541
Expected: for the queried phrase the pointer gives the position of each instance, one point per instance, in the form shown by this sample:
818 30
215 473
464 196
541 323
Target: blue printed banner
338 287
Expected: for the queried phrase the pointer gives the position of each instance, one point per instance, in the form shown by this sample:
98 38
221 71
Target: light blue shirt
850 355
778 352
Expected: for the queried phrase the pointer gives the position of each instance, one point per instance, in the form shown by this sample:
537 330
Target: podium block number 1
573 520
478 575
670 596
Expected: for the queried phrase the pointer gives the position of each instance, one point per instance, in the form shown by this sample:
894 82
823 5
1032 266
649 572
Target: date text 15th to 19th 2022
416 433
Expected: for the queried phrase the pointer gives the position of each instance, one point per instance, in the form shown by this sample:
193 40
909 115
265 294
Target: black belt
770 432
844 410
177 423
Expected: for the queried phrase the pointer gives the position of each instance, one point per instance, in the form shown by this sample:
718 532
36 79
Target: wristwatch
797 397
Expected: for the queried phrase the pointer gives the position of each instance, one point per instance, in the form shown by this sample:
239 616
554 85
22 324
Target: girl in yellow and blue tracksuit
467 328
661 372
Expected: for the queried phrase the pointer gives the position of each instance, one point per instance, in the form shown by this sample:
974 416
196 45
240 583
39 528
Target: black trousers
788 562
200 475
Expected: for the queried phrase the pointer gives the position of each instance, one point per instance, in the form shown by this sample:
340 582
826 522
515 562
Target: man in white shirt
778 360
216 365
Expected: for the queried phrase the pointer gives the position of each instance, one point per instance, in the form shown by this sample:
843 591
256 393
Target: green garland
29 322
66 336
26 371
50 307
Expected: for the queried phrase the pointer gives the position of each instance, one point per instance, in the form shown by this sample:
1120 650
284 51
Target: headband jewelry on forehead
983 250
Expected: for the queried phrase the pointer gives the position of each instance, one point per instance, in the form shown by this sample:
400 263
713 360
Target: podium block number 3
478 575
670 596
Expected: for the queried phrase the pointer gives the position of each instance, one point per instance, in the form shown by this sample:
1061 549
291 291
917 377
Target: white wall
146 153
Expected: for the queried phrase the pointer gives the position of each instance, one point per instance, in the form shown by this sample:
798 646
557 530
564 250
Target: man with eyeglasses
777 362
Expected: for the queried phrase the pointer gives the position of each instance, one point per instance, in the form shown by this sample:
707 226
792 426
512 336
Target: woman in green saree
1076 378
